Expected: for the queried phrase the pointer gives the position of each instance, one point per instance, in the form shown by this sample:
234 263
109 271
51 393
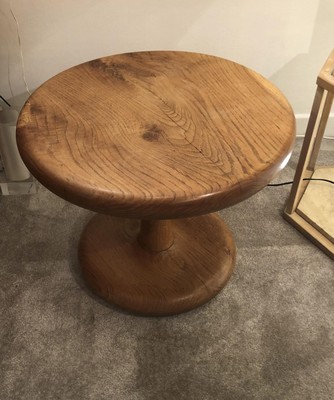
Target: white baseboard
302 121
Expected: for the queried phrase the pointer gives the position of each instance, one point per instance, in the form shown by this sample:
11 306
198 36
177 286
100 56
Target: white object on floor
14 167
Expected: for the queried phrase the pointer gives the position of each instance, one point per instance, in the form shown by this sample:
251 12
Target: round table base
189 273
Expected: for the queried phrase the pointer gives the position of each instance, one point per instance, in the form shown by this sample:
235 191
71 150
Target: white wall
287 40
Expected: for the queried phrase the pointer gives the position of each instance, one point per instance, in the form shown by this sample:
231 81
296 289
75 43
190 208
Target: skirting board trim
302 121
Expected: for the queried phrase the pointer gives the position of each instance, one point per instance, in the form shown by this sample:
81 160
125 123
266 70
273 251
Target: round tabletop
156 134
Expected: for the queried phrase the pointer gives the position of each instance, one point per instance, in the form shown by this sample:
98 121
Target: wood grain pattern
316 204
310 232
326 75
156 134
156 235
316 126
312 221
188 274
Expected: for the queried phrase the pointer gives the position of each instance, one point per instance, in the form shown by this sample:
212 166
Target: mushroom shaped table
155 143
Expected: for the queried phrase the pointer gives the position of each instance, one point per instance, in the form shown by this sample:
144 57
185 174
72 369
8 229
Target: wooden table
152 141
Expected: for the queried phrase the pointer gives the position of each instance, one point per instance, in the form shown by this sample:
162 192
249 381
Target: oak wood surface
156 134
308 208
311 232
186 275
316 204
326 75
156 235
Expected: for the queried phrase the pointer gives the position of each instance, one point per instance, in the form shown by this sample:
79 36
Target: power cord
5 101
305 179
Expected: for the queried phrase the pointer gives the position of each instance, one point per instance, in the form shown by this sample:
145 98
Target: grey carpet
268 335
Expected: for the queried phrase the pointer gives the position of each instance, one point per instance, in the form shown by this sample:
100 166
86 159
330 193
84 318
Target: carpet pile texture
268 335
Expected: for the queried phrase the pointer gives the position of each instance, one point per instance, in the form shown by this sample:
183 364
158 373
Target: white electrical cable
20 46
